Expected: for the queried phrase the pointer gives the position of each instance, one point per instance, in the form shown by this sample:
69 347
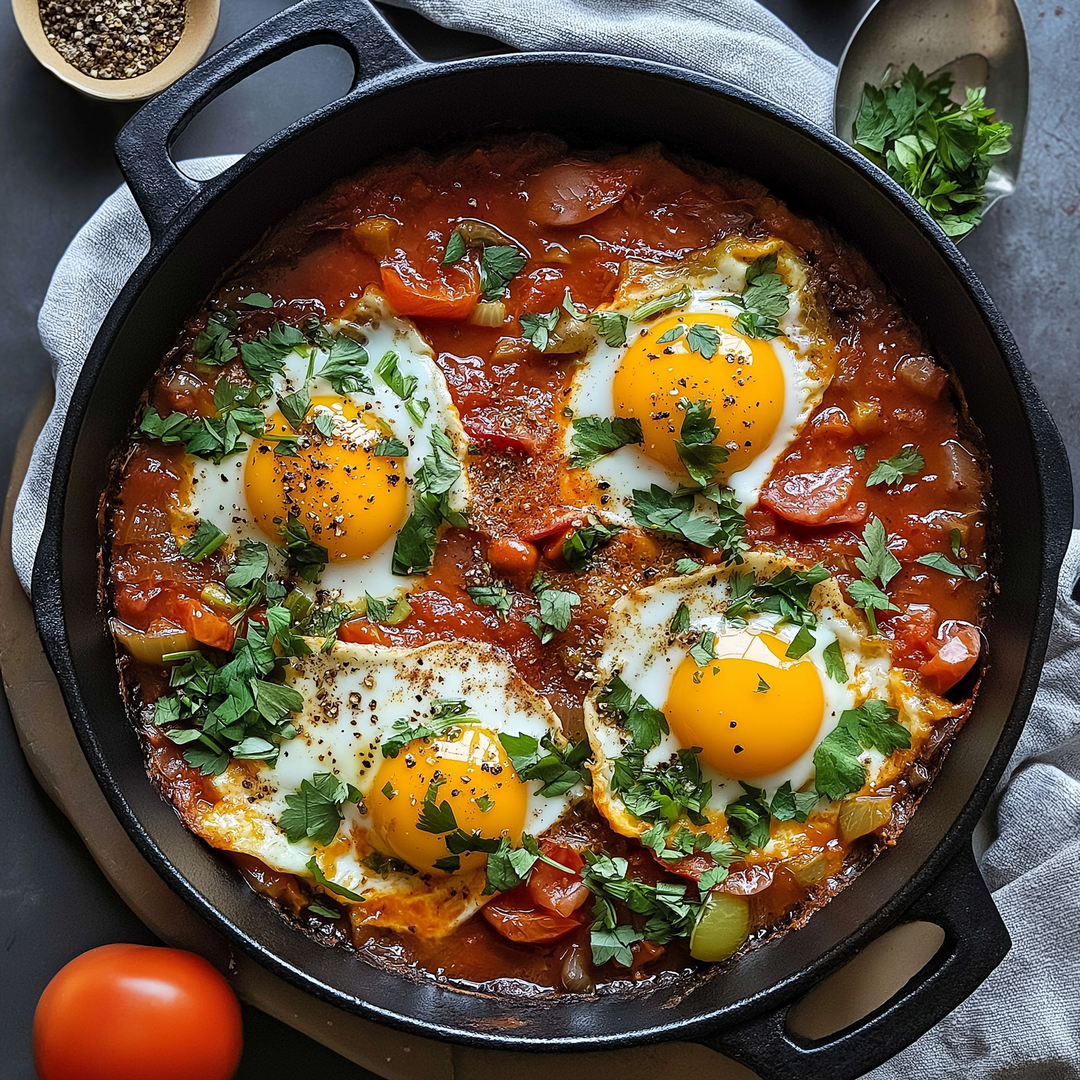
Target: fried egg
756 714
760 392
357 699
350 496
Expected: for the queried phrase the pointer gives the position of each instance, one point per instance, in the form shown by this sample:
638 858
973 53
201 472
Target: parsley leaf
344 366
496 596
315 810
436 817
205 540
644 722
611 326
455 248
332 886
556 609
303 555
558 768
764 300
404 386
936 561
836 759
661 303
703 338
414 549
538 328
687 566
892 470
594 436
257 300
877 563
578 547
499 264
938 150
445 715
697 450
835 667
802 643
294 407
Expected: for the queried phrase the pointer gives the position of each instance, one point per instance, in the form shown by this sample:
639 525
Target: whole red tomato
136 1012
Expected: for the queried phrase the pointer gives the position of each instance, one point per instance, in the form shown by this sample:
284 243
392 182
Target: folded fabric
1023 1023
735 40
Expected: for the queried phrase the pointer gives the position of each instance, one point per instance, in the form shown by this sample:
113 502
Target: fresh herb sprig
936 149
872 726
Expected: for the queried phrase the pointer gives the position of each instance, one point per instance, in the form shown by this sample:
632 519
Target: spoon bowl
980 42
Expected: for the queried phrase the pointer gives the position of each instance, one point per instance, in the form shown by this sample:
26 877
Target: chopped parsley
556 609
264 357
878 566
578 548
663 792
872 726
294 407
414 548
445 715
237 709
332 886
644 722
494 596
344 366
835 667
455 248
937 150
499 264
659 912
538 328
937 561
697 448
315 810
558 768
205 540
661 303
676 514
594 436
909 462
257 300
303 556
764 300
213 345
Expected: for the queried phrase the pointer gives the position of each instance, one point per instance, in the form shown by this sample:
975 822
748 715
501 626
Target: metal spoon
981 42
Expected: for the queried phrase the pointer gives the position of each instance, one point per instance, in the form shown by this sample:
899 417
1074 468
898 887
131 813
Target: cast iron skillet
199 229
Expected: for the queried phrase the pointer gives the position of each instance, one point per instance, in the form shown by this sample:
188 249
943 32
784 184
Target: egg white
639 647
352 697
218 492
801 352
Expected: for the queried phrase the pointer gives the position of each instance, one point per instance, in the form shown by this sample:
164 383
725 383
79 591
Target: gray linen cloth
1023 1023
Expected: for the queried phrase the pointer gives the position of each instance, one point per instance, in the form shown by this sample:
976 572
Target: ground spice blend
113 39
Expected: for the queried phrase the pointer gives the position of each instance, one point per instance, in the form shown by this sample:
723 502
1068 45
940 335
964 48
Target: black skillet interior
198 231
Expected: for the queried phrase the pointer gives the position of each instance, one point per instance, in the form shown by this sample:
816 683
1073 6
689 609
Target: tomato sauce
579 220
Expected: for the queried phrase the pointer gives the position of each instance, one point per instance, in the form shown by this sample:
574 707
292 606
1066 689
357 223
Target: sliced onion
570 336
576 972
722 926
962 472
864 815
376 235
217 597
488 313
866 417
151 645
477 233
921 374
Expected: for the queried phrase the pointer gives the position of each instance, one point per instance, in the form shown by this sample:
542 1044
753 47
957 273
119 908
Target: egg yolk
350 500
743 382
752 711
480 786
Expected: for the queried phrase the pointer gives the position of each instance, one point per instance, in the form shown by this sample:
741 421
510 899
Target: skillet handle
976 941
143 147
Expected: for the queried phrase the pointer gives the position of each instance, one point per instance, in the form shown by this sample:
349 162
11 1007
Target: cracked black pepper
113 39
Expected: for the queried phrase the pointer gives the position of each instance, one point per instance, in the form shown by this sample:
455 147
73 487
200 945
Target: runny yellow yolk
350 501
481 787
743 382
751 711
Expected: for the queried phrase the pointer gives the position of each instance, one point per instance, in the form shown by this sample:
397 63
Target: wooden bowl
199 27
